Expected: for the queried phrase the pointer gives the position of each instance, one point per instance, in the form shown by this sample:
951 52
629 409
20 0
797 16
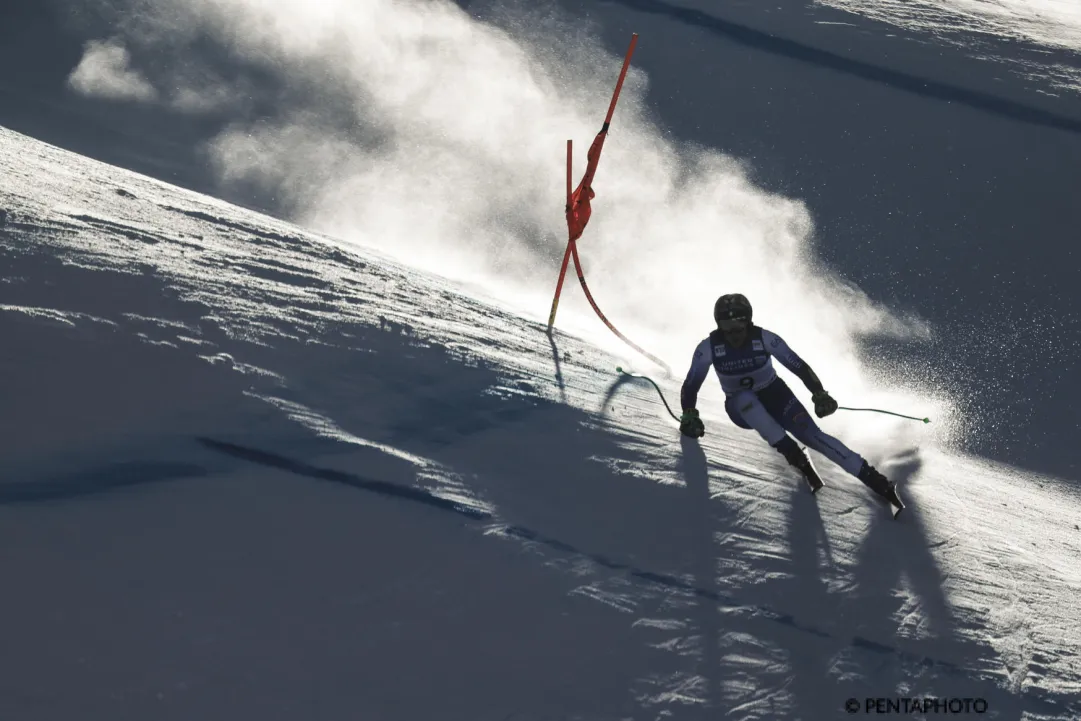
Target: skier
756 398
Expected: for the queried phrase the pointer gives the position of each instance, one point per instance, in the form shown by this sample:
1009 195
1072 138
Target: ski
814 481
896 505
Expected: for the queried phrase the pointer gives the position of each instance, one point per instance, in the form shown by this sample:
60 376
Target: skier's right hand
691 425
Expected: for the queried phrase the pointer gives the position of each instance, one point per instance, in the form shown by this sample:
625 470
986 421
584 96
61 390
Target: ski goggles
730 324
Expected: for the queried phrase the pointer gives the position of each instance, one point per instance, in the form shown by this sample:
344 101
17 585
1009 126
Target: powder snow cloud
105 71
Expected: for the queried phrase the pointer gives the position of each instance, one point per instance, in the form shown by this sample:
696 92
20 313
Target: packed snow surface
251 472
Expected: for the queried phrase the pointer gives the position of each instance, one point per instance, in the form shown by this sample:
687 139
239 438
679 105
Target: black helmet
733 306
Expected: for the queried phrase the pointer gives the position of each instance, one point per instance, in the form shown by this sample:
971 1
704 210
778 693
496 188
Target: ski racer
756 398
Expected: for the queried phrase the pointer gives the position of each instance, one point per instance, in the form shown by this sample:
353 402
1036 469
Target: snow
1052 23
1034 38
251 472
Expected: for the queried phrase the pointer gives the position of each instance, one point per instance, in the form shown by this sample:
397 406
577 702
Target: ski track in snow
1046 34
157 339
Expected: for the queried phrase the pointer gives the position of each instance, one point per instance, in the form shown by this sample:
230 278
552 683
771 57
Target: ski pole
876 410
644 377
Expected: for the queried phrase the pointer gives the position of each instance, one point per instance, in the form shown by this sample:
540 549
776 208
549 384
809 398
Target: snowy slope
249 472
1035 39
1051 23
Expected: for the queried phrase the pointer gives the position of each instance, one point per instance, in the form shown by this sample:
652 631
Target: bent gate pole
572 249
604 128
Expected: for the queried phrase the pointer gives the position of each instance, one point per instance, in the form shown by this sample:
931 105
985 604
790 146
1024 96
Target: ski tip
619 369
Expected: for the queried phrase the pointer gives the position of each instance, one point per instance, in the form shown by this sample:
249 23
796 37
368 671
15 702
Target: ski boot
797 458
882 486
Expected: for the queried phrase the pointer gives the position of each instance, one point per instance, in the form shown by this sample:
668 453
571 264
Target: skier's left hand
824 404
691 425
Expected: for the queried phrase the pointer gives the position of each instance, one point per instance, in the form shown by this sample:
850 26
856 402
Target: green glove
824 405
691 425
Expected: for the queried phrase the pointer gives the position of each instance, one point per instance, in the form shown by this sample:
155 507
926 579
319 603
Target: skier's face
735 331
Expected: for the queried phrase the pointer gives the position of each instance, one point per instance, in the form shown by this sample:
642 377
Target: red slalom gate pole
572 248
604 128
619 83
570 161
570 243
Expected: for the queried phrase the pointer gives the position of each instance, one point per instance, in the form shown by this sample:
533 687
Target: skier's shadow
897 573
696 475
810 550
884 559
894 555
